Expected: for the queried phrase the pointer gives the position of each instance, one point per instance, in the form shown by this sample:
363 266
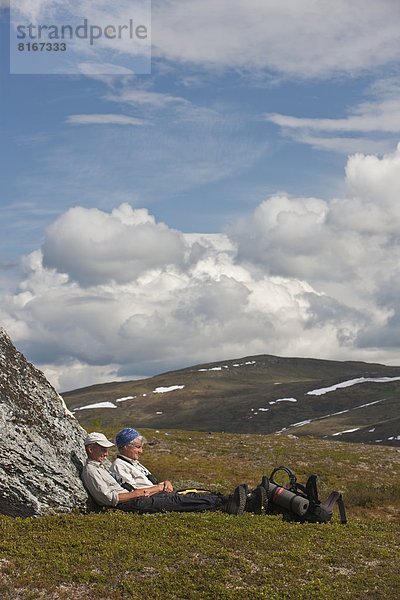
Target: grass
214 555
211 555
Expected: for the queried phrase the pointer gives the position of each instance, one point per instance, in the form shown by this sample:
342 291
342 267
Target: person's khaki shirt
100 484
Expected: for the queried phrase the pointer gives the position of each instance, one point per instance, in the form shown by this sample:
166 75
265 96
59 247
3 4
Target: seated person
126 468
130 472
150 498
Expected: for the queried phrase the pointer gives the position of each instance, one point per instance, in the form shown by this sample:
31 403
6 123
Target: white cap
98 438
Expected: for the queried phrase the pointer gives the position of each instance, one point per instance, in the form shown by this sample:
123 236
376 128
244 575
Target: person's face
133 450
97 452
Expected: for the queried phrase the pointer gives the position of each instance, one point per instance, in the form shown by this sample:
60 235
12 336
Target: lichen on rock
41 443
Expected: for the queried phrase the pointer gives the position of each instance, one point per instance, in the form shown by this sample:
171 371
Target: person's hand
166 486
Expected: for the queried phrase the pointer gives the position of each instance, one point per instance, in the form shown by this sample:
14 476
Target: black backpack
314 511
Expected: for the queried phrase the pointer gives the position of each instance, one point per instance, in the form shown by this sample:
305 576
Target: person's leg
174 502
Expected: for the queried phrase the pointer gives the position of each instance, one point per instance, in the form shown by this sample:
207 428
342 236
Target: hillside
255 394
214 555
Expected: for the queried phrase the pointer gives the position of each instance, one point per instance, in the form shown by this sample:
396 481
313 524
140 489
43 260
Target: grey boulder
41 443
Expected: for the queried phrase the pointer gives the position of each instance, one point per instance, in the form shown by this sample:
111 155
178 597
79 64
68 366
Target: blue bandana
125 436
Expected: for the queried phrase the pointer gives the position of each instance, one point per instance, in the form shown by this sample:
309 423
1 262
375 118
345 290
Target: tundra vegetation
114 555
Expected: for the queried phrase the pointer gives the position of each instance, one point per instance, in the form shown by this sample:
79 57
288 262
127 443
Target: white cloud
115 295
367 117
346 248
104 119
65 377
374 190
202 308
311 38
379 117
93 247
181 109
331 243
343 145
302 39
96 70
146 98
33 9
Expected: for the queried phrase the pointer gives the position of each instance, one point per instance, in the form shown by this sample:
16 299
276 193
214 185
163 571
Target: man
160 497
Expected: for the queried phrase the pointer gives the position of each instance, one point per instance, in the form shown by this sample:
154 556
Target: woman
160 497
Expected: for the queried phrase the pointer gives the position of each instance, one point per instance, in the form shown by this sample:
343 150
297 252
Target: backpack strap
149 476
312 490
292 477
335 498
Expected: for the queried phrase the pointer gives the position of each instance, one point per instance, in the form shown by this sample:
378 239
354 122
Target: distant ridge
256 394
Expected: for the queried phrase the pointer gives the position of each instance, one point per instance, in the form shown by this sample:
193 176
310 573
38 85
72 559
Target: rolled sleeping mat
286 499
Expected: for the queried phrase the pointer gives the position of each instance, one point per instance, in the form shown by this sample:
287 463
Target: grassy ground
214 555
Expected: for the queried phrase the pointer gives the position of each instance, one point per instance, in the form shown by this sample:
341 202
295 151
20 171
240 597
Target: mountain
255 394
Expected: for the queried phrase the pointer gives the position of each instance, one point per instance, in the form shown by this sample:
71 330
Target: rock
41 444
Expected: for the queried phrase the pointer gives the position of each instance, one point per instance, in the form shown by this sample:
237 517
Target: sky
240 198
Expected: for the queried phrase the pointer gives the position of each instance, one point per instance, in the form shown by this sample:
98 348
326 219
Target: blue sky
254 113
191 173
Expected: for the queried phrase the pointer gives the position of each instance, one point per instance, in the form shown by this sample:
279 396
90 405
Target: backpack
298 502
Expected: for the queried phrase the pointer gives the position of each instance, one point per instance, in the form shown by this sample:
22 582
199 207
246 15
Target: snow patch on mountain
164 390
124 398
350 382
97 405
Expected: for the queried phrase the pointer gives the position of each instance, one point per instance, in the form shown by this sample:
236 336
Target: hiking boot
236 501
256 501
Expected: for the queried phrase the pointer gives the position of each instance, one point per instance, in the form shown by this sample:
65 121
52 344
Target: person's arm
164 486
128 473
100 485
